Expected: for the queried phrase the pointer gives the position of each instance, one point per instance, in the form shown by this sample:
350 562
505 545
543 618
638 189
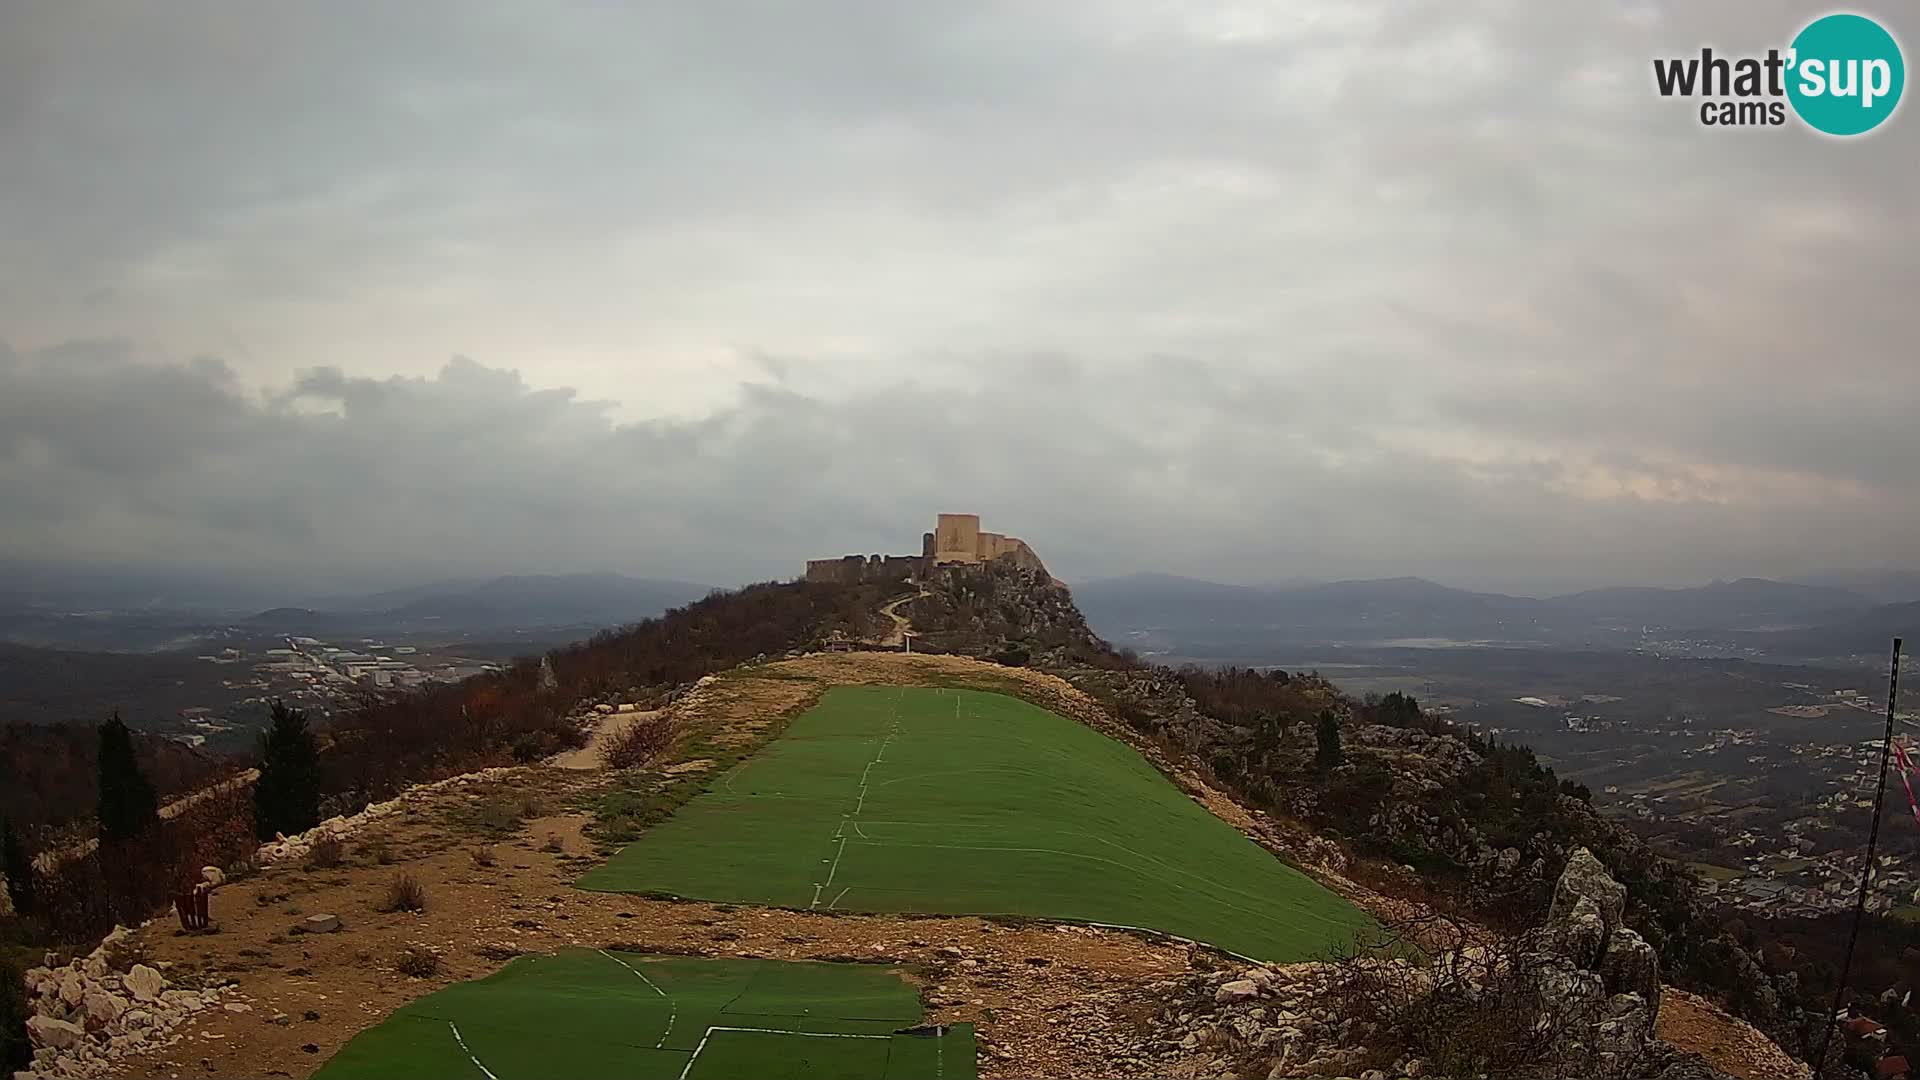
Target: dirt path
594 754
897 637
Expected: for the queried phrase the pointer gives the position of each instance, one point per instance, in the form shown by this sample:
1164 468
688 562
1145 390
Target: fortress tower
956 539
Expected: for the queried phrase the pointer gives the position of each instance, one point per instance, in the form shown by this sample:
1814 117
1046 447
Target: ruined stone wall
855 569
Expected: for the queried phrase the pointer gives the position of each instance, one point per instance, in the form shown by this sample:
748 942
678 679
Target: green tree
18 868
128 805
286 799
1326 734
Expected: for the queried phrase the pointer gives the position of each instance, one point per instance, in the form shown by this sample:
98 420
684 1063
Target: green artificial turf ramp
623 1016
885 799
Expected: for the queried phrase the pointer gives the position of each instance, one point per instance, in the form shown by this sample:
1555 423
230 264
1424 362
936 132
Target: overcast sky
370 292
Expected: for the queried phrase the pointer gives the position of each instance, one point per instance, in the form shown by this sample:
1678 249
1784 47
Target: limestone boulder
144 983
54 1034
73 989
1630 966
40 980
103 1008
1586 877
1236 990
1582 936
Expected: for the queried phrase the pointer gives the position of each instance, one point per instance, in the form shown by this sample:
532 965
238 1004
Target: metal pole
1866 875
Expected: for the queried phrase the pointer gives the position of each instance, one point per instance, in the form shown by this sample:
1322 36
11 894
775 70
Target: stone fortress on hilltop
956 540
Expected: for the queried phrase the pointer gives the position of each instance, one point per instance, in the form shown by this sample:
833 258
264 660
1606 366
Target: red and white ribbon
1906 776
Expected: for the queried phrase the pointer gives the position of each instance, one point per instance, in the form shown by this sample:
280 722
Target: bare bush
482 856
640 743
418 962
553 844
405 893
81 896
327 853
1470 1004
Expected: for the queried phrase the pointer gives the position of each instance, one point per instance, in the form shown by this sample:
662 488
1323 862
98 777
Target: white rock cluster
85 1016
283 847
1215 1020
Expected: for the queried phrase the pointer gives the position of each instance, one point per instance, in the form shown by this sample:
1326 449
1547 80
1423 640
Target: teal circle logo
1847 74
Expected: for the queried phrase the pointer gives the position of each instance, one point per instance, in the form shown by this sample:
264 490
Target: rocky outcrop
978 609
1577 996
90 1013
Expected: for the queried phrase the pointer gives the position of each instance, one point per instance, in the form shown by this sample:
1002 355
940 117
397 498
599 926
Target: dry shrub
405 893
327 853
418 962
1465 1002
497 815
640 743
553 844
127 881
482 856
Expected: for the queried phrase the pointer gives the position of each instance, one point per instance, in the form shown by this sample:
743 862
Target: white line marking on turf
673 1009
837 899
840 833
768 1031
488 1073
834 869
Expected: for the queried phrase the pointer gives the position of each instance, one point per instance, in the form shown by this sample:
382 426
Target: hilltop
1406 815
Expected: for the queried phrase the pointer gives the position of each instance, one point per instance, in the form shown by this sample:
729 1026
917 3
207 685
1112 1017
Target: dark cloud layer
1249 291
1160 463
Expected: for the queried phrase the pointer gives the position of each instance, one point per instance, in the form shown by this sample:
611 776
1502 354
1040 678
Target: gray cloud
1412 287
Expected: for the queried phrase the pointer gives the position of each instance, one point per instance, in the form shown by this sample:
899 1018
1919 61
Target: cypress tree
286 799
1327 752
16 1048
128 805
18 868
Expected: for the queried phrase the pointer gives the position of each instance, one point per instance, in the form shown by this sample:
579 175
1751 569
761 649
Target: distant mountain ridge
1723 604
515 600
1184 611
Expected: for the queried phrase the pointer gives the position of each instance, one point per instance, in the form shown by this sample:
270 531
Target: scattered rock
144 983
1237 990
54 1034
319 924
103 1008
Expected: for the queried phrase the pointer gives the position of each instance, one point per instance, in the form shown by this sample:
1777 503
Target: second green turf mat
621 1016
